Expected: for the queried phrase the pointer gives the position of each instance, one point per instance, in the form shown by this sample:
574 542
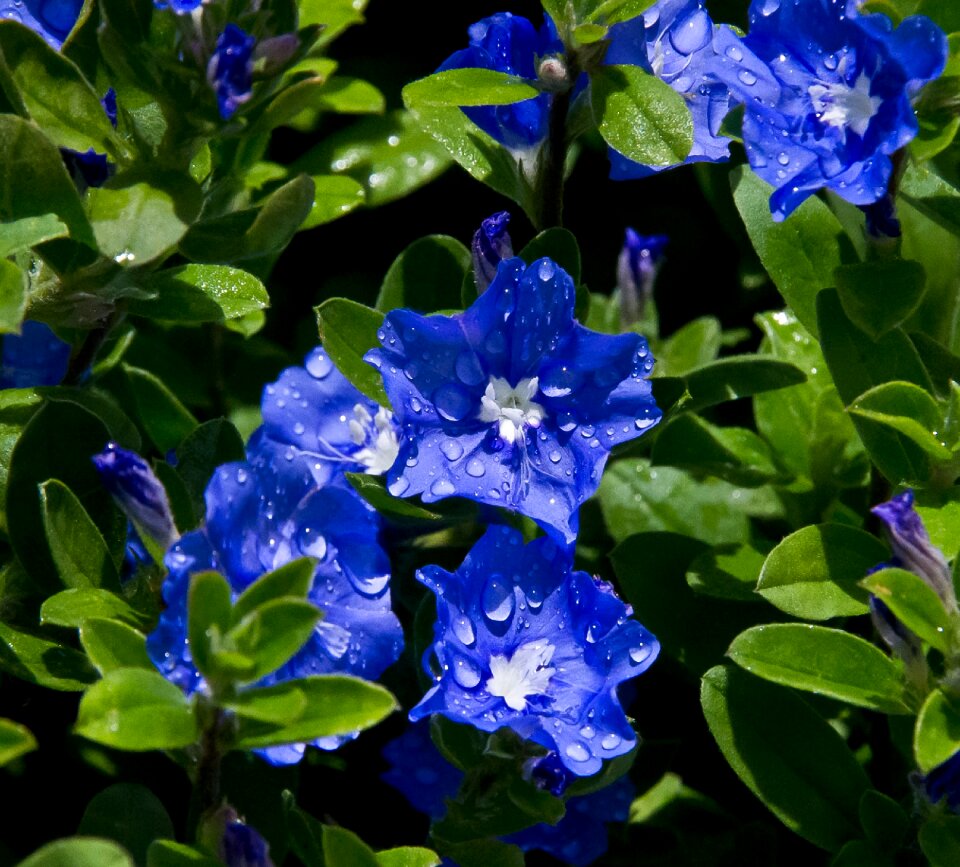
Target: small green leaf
914 604
641 116
110 644
15 741
348 330
130 814
336 705
200 293
333 197
587 34
71 608
207 447
558 244
815 791
696 344
373 490
343 848
76 545
822 661
29 232
727 572
427 276
615 11
346 95
167 421
940 840
43 662
79 852
135 709
208 619
815 572
279 705
884 821
740 376
293 579
878 296
408 856
167 853
909 410
937 735
466 87
13 296
272 633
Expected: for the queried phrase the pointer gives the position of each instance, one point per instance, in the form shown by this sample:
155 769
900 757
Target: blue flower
92 169
242 846
316 424
513 402
52 19
674 40
912 548
827 94
523 641
943 783
491 245
510 43
230 71
181 7
252 527
138 492
637 268
34 357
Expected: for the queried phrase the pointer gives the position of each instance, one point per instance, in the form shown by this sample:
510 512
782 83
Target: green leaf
343 848
857 364
15 741
466 87
200 293
167 853
34 182
166 420
940 840
737 455
204 449
374 491
130 814
800 254
815 791
615 11
909 410
278 705
335 16
860 853
878 296
558 244
823 661
815 572
138 223
727 572
76 545
346 95
388 156
71 608
110 644
408 856
79 852
333 197
426 277
695 345
914 604
641 116
42 662
272 633
481 853
293 579
348 330
740 376
208 619
135 709
884 821
13 296
937 735
336 705
54 93
29 232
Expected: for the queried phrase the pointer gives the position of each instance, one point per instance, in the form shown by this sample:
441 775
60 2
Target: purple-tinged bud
491 244
548 773
109 103
912 547
554 74
881 217
138 492
276 51
943 783
230 71
235 843
637 268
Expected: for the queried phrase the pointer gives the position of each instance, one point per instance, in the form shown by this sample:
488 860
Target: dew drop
747 77
451 449
577 751
475 468
319 365
463 629
442 488
468 368
498 599
452 402
610 741
641 654
465 672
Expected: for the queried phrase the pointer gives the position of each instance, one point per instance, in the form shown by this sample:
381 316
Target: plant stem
85 355
207 783
553 168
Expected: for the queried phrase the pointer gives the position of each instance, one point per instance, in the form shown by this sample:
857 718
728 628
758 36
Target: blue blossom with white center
35 356
512 402
137 491
674 40
230 70
523 641
51 19
828 95
316 424
637 268
491 245
254 526
511 44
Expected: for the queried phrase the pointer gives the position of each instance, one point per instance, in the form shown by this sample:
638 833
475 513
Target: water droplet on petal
641 654
452 402
498 600
451 449
610 741
442 488
577 751
465 672
463 629
475 468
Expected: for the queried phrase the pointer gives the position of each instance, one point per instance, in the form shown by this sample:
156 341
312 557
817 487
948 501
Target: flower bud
637 268
275 52
554 74
236 844
138 492
230 71
548 773
491 244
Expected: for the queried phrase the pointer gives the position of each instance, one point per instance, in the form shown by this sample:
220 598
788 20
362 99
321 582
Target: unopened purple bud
491 244
276 51
230 71
138 492
548 773
881 217
912 547
244 847
637 268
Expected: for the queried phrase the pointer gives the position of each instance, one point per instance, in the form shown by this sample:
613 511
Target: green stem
553 167
84 357
206 789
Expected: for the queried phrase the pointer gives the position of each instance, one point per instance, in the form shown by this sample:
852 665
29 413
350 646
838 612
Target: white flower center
842 106
525 674
378 437
512 408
